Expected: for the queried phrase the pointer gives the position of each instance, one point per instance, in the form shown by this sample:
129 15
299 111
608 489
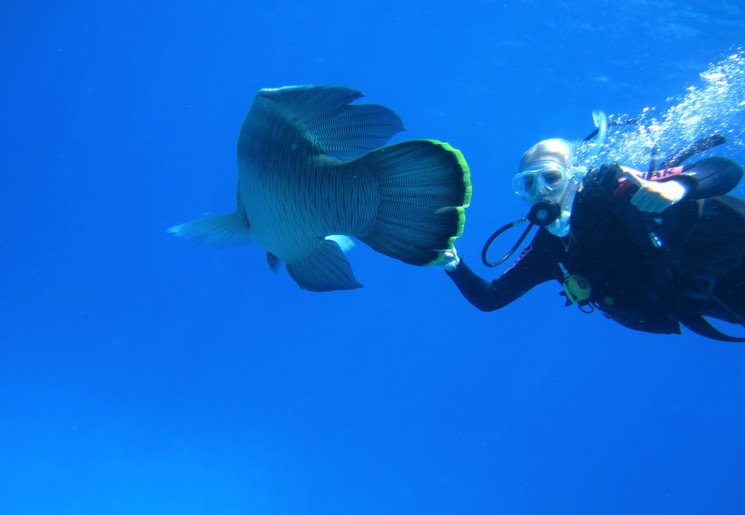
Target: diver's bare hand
654 197
450 260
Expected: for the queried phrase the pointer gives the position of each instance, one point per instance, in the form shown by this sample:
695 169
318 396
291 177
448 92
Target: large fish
310 167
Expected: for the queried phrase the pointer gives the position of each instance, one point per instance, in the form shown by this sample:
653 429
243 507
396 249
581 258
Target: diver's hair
558 150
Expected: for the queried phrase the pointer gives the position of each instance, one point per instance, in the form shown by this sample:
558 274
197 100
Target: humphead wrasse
312 166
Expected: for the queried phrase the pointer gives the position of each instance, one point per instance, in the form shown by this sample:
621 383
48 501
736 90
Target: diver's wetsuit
646 271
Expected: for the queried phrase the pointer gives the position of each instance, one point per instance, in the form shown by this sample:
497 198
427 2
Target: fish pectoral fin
345 242
335 126
325 269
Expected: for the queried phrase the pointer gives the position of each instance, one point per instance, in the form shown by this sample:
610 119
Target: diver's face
544 180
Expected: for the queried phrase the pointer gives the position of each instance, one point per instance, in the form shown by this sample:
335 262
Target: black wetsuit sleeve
538 263
710 177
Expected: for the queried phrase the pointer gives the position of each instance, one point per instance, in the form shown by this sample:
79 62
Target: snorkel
599 134
552 213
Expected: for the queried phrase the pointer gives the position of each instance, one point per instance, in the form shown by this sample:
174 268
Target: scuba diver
651 250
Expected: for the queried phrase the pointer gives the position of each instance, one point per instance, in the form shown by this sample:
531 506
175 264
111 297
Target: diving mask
540 179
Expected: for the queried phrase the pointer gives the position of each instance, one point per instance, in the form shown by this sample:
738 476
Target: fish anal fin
325 269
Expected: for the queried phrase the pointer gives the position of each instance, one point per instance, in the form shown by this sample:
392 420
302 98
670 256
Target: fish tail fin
424 187
217 230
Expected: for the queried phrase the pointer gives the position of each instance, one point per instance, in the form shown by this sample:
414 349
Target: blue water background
141 374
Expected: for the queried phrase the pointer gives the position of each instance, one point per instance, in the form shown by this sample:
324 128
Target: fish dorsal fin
336 127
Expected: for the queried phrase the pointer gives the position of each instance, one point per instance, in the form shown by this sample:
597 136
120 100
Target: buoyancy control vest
643 269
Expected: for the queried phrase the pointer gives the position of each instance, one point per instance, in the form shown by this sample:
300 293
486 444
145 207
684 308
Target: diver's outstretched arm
537 264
